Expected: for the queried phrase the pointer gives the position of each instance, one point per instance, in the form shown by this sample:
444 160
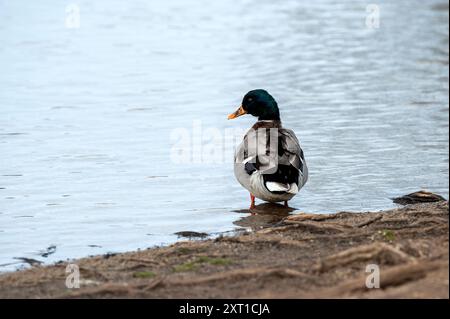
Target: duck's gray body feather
270 145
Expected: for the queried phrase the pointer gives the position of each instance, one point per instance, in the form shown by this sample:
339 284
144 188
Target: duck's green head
258 103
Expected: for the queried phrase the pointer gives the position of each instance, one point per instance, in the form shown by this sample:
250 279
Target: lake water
88 113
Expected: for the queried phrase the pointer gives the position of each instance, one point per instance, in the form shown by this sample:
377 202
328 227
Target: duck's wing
245 161
263 150
256 152
290 153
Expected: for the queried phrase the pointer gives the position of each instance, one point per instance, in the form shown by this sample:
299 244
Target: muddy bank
285 256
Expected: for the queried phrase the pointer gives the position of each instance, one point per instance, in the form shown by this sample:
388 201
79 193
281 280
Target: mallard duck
269 162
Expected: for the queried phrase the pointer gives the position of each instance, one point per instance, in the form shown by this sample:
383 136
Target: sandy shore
285 256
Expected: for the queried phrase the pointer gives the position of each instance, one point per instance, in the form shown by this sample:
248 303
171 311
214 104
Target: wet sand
285 256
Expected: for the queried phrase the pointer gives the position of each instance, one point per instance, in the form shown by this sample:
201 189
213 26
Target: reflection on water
87 113
263 215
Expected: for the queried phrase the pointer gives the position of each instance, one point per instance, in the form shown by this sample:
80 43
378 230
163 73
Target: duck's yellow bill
238 113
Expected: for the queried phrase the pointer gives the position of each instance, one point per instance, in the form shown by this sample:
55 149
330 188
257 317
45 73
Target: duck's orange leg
252 199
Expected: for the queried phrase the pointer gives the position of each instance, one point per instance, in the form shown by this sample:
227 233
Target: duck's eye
249 99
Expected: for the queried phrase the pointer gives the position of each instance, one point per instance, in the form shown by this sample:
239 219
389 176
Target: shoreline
285 256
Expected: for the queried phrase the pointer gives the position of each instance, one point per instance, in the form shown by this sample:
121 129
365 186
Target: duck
269 161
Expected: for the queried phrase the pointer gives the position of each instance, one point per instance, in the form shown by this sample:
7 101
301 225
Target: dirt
284 256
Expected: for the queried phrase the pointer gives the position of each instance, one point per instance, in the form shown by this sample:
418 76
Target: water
87 113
